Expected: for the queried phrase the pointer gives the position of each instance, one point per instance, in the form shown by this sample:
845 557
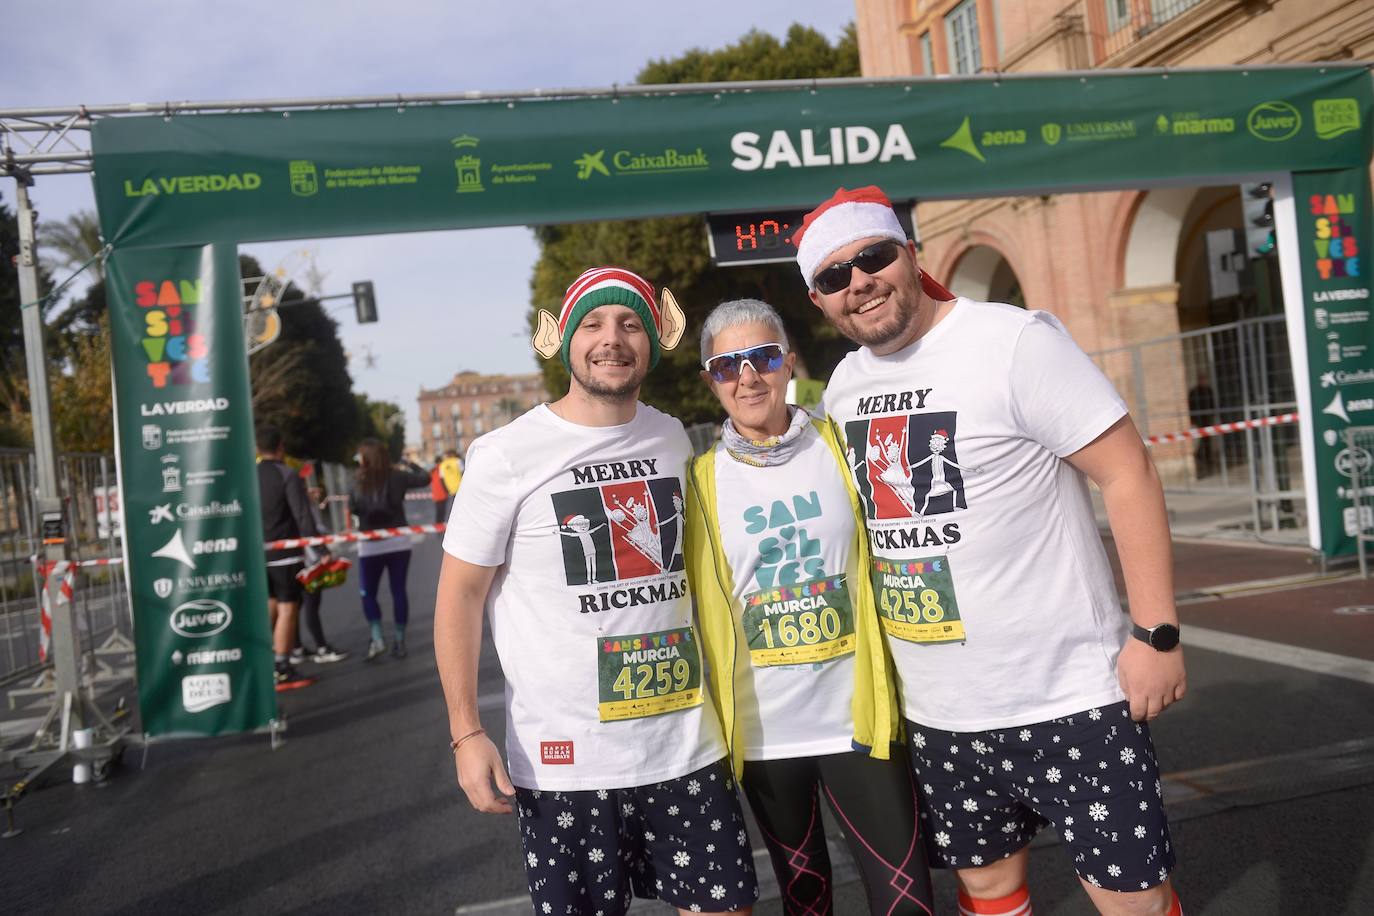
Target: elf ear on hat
847 217
610 286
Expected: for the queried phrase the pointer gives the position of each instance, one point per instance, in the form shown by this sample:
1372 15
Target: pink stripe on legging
898 871
798 861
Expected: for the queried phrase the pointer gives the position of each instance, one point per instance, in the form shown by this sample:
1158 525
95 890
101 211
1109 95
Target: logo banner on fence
254 176
189 482
1334 219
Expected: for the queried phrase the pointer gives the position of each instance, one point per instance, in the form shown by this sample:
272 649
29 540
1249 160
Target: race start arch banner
168 181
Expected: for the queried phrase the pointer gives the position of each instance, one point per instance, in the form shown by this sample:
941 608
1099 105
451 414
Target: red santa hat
847 217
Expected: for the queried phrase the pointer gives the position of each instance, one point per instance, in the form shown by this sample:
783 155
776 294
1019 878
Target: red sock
1014 904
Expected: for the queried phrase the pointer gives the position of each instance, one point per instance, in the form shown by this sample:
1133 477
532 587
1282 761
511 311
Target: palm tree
73 242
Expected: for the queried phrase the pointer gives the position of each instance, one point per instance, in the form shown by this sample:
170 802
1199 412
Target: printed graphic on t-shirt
907 466
916 601
648 674
620 531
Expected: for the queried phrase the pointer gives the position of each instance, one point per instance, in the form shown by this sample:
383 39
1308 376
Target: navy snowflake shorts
1093 775
682 841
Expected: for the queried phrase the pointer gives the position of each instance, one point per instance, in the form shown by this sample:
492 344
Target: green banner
190 179
1334 220
192 523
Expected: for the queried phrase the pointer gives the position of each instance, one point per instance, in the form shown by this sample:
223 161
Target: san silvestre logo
176 353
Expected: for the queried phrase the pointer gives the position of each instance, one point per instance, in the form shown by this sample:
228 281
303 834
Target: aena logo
201 617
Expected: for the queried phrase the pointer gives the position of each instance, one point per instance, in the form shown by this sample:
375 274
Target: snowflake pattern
1085 774
556 828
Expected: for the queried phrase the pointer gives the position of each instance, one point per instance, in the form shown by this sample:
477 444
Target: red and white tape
1221 429
64 570
349 537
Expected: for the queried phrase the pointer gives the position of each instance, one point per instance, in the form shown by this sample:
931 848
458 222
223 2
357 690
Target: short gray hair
737 312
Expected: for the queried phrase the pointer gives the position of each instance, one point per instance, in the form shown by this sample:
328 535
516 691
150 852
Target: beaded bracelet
458 742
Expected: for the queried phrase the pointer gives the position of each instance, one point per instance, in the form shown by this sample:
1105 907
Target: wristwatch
1161 637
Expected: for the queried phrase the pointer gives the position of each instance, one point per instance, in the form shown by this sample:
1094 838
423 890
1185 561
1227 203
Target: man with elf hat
565 531
972 429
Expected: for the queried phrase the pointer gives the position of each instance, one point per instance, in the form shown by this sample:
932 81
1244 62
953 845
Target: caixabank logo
615 532
176 353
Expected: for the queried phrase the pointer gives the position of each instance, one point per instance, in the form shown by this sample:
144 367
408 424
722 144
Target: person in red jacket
438 491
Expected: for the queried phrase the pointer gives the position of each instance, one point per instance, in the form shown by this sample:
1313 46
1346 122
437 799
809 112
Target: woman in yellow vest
799 669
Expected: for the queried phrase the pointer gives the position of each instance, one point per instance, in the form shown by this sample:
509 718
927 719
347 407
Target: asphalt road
358 812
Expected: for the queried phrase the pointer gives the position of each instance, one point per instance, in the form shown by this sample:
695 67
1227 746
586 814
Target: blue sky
448 300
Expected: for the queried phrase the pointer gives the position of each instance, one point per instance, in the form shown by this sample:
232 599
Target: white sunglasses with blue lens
764 358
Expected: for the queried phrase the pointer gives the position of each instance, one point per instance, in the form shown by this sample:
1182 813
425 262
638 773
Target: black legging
875 803
310 613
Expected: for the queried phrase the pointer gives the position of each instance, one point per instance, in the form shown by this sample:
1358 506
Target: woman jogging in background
377 499
800 674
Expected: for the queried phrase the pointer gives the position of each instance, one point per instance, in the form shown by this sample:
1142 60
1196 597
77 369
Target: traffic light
364 302
1258 203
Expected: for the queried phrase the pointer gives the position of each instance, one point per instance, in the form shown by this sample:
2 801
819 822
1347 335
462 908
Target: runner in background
438 491
566 532
377 499
800 673
285 514
451 470
1025 686
323 653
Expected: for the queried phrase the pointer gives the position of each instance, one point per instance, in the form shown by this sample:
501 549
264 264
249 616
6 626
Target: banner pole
64 649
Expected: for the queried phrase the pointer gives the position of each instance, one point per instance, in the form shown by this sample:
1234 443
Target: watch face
1164 637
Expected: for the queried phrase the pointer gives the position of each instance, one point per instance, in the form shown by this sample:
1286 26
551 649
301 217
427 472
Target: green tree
83 408
382 420
73 241
301 383
15 423
672 251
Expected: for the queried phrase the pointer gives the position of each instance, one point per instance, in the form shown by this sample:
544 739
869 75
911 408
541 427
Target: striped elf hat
610 286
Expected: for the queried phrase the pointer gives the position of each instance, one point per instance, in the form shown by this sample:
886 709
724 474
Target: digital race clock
765 236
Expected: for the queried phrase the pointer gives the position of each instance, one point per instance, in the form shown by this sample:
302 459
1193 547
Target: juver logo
201 617
1273 121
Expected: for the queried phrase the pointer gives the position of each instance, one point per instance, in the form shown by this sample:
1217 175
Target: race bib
648 674
916 600
798 624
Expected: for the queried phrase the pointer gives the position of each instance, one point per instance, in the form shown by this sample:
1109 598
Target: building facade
472 404
1119 267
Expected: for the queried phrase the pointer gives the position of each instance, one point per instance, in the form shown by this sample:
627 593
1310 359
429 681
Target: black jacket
386 509
285 506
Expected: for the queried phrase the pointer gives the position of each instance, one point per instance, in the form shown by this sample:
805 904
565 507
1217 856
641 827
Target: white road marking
1261 650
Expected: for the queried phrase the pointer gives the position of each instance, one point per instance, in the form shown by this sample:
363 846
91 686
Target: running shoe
297 656
288 679
325 654
375 648
398 649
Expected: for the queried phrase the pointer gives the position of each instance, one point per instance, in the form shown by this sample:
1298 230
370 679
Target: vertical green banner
186 461
1334 220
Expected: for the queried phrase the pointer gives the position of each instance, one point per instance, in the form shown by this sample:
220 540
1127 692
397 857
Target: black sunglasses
871 260
765 358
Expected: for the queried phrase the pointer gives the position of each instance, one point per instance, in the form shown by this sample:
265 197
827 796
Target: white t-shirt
788 533
989 573
590 610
